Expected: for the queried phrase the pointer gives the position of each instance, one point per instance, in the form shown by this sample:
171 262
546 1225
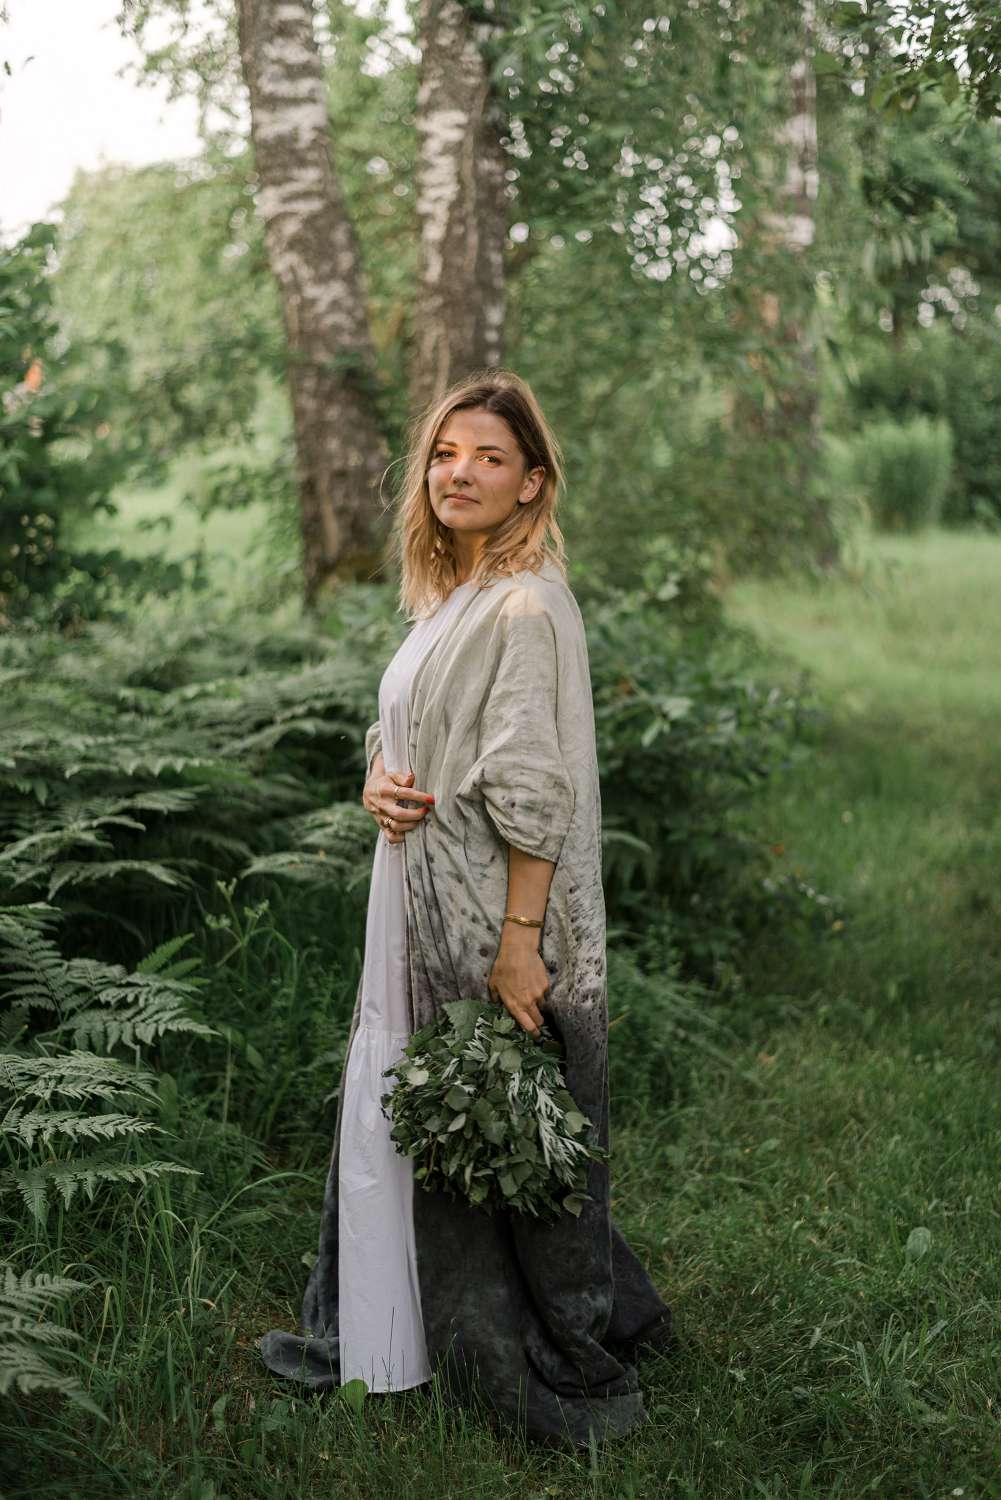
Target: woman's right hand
381 795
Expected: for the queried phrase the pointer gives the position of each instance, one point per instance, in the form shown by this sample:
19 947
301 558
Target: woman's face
477 473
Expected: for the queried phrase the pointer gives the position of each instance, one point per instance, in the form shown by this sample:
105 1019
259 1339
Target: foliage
951 376
95 1009
200 747
686 734
901 468
72 1115
950 47
148 764
163 317
53 463
660 1025
483 1110
34 1350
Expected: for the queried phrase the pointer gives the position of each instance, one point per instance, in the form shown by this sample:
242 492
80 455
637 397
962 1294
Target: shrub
53 464
903 469
942 373
658 1025
686 731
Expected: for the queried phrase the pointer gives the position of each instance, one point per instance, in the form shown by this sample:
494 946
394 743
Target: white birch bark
461 203
340 451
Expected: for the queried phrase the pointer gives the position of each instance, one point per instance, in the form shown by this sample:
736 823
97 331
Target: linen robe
540 1321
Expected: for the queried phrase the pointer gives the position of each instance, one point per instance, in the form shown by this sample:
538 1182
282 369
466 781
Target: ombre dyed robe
544 1321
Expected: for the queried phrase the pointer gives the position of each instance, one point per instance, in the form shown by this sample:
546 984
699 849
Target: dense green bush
902 469
53 464
686 731
954 376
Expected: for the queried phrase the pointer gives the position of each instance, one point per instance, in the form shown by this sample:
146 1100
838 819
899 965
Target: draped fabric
544 1322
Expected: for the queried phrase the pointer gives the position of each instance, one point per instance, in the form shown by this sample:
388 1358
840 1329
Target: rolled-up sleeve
373 744
519 772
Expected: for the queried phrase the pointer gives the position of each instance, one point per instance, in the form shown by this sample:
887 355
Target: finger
404 814
413 795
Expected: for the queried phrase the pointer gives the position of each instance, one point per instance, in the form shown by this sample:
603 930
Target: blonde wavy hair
529 537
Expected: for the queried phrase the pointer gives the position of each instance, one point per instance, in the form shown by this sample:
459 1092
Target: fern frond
157 962
73 1075
31 1293
65 1177
78 872
67 1124
70 835
308 869
143 1022
30 1343
34 972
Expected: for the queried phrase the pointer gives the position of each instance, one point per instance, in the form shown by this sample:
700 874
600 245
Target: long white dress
379 1307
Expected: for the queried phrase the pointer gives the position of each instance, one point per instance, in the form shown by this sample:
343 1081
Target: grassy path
832 1216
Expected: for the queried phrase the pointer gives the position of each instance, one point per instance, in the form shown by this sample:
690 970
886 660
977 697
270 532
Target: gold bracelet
525 921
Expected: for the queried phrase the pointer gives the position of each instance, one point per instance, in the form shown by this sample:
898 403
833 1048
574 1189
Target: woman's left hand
519 979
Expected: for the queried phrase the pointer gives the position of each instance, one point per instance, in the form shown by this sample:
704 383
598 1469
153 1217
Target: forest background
747 254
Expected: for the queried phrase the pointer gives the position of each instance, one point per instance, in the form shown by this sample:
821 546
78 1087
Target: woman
483 780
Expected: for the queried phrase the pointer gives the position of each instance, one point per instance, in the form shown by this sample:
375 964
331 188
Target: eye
444 452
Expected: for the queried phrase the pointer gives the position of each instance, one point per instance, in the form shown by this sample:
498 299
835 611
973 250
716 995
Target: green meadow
820 1204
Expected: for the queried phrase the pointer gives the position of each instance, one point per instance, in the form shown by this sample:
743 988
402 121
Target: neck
467 550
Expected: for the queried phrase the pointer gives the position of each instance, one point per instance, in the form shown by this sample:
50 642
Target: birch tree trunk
461 203
793 232
340 451
786 416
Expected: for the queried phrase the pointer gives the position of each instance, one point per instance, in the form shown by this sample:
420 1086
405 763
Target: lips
468 498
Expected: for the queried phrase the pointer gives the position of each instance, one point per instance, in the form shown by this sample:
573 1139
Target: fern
76 873
74 1075
31 967
100 1006
34 1350
332 846
34 1183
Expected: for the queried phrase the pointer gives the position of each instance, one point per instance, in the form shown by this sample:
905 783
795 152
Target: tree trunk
340 450
461 203
787 419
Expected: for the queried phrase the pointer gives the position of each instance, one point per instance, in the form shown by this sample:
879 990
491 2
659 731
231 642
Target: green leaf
918 1243
354 1392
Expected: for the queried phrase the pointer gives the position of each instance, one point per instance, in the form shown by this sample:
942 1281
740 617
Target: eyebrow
483 447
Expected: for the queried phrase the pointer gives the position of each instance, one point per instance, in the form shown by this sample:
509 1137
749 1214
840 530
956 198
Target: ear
533 484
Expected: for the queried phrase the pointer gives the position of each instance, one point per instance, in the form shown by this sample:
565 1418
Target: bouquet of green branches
483 1109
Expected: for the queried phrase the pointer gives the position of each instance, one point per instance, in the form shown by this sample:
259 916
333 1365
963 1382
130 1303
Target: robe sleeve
519 772
373 744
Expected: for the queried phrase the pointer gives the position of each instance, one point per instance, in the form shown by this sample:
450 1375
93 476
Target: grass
822 1210
162 519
